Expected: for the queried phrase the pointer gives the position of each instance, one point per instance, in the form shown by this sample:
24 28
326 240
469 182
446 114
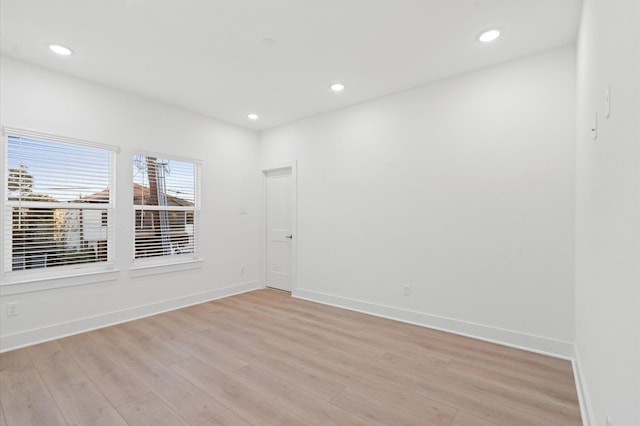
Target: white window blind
59 203
166 203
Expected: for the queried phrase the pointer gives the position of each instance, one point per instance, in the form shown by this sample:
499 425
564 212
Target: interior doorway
280 196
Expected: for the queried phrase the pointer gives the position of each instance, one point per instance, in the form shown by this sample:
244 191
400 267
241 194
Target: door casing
294 222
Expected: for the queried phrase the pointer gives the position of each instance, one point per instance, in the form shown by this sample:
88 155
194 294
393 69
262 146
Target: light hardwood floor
264 358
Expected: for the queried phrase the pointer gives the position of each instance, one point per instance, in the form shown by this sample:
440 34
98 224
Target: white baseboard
532 343
56 331
586 410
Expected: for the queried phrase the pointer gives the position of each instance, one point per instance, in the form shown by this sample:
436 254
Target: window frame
142 266
19 281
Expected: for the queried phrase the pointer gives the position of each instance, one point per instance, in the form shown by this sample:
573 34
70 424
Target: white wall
608 212
37 99
463 189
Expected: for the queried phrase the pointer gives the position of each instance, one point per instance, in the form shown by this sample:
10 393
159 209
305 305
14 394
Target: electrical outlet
242 270
407 290
12 309
607 419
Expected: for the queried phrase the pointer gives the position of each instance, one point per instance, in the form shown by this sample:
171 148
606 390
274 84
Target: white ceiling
211 57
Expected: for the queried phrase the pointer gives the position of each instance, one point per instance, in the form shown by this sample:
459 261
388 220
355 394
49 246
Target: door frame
294 221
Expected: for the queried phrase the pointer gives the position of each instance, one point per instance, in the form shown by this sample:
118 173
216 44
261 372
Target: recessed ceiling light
253 116
60 50
337 87
489 35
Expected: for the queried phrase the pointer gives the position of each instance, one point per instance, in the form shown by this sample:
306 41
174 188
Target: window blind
59 203
166 204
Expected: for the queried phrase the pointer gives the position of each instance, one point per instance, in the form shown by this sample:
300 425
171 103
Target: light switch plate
607 102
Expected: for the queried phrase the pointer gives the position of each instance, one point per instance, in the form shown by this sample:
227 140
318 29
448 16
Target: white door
279 228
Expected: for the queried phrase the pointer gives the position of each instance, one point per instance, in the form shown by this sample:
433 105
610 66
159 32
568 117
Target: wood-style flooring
264 358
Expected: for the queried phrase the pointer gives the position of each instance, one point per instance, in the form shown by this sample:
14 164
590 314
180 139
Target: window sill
42 282
143 270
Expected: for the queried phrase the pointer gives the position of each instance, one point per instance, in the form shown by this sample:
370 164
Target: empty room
357 212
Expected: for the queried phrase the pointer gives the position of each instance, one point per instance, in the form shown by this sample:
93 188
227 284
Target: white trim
293 165
167 156
60 205
147 208
528 342
57 331
6 130
27 281
586 409
280 165
170 260
141 270
3 208
45 279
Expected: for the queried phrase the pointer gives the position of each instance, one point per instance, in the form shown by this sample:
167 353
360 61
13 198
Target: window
58 208
165 199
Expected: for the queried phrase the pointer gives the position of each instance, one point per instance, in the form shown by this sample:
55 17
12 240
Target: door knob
289 237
